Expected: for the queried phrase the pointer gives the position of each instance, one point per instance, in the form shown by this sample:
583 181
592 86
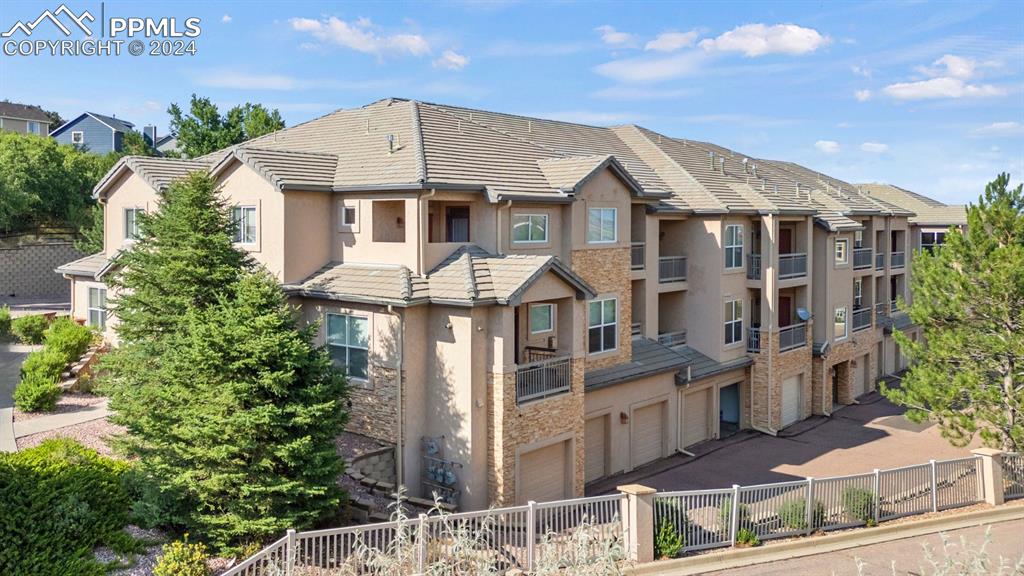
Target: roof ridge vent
367 125
529 126
711 155
746 167
721 164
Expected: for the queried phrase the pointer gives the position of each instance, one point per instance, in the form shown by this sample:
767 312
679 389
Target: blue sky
926 95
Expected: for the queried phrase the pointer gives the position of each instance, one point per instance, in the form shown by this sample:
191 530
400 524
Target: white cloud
999 129
152 106
226 18
940 88
451 60
874 147
951 66
613 37
640 93
827 146
758 40
862 95
360 36
672 41
647 69
861 71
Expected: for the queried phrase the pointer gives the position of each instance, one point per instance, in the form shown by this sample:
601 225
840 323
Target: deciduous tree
203 129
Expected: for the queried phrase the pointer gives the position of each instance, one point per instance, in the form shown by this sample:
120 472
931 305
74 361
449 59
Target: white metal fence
521 536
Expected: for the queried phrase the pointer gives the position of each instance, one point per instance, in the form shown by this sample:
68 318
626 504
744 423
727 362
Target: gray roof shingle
23 112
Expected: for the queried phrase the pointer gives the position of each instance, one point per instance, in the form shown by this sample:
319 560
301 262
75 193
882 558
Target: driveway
856 439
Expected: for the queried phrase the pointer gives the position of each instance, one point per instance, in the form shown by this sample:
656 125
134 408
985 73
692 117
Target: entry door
648 434
785 240
785 311
791 399
696 421
543 474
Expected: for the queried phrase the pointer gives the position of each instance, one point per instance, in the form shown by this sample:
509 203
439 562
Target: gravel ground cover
67 403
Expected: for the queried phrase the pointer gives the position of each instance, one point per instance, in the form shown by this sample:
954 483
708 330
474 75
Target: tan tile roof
929 212
287 168
382 283
90 266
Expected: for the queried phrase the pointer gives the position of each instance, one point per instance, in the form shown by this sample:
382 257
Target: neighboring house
24 119
166 144
531 305
93 132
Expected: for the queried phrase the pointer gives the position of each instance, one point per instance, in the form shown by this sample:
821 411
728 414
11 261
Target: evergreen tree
967 372
235 426
183 259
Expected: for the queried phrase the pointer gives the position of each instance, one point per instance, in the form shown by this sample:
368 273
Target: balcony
894 306
676 338
753 266
754 339
792 337
879 261
861 258
792 265
880 310
671 268
543 378
636 255
897 259
861 319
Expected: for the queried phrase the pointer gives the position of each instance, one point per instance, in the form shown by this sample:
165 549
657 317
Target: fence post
640 522
809 514
421 544
877 487
531 534
289 562
734 515
935 485
991 474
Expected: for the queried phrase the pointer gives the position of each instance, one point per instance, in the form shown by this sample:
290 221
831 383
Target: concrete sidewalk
55 421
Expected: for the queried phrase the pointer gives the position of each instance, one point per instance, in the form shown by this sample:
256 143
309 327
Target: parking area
855 439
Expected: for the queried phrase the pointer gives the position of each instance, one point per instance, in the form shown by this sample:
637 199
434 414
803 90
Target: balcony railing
861 258
792 265
676 338
754 266
671 268
792 337
754 339
636 256
879 261
861 319
543 378
894 306
897 259
538 353
636 328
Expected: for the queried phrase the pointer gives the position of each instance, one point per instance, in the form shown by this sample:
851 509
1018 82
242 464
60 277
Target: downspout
422 252
400 455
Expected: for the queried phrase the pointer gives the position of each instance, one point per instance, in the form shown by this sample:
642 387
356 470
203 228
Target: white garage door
542 474
791 399
596 434
860 376
696 413
648 434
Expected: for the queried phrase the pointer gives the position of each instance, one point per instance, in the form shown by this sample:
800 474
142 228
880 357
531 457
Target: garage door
860 376
596 438
696 411
648 434
542 474
791 399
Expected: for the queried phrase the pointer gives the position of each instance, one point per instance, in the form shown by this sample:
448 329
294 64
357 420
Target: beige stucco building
525 306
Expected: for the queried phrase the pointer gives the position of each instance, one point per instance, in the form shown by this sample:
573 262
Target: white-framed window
243 218
603 325
349 217
98 308
348 342
734 246
858 239
733 321
929 240
131 223
839 324
529 228
858 293
542 318
33 127
77 137
602 225
842 250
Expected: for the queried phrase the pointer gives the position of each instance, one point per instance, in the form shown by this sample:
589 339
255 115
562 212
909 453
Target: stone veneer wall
783 365
28 271
852 350
513 426
607 270
373 411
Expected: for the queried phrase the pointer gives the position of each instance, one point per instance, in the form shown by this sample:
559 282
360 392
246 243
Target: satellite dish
803 314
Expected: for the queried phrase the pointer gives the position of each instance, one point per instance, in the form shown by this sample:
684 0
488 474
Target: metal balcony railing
792 337
880 310
792 265
894 306
861 258
754 266
675 338
671 268
897 259
861 319
543 378
636 255
754 339
879 261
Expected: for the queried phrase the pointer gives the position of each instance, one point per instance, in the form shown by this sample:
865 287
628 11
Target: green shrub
45 362
746 537
5 322
793 514
725 515
67 338
667 542
30 329
36 393
859 503
59 501
182 558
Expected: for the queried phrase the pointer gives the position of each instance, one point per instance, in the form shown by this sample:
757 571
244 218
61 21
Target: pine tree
235 426
182 260
967 373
